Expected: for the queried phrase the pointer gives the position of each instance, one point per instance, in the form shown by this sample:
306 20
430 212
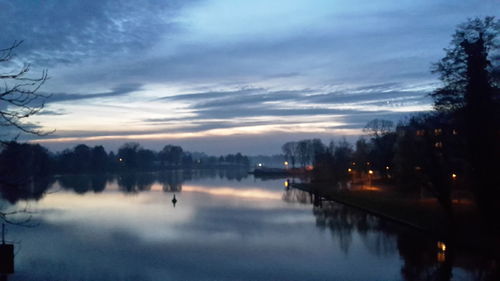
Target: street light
370 173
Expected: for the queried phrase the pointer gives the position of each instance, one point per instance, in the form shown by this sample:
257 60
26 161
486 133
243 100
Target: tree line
19 160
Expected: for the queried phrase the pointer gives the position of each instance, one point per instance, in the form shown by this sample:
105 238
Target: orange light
441 257
370 172
454 176
349 170
286 183
441 246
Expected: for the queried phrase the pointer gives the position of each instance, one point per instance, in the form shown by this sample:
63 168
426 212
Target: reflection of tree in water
84 183
172 180
343 221
292 195
422 260
233 174
27 189
135 182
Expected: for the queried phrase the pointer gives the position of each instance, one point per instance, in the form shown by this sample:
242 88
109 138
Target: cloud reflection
235 192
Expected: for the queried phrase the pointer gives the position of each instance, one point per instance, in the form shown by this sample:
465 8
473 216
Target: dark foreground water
224 226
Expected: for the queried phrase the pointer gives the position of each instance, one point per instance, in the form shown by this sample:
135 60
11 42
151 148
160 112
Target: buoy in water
174 201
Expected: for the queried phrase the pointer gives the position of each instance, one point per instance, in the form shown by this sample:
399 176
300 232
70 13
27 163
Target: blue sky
226 76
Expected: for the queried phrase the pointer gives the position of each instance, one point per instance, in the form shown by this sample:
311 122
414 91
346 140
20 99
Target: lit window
438 144
438 132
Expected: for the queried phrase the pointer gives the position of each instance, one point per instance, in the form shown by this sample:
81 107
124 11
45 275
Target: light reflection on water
220 229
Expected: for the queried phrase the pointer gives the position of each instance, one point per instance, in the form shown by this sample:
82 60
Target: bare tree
19 97
379 127
19 100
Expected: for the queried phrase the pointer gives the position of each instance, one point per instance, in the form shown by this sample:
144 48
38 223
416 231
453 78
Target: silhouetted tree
290 151
98 159
20 162
170 155
471 96
82 158
379 127
18 96
304 152
467 58
127 155
145 159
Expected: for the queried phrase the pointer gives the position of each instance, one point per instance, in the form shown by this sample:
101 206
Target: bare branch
19 97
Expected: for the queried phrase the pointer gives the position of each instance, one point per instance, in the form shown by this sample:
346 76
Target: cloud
202 65
52 112
258 102
117 91
68 31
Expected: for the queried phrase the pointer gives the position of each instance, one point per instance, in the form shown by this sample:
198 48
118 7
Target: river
224 225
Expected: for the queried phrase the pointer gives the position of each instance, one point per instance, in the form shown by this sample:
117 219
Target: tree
171 155
19 98
290 151
304 152
98 159
127 155
471 48
379 127
471 97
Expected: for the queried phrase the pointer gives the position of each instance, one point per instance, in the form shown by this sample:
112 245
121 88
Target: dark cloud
242 97
52 112
262 102
67 31
118 91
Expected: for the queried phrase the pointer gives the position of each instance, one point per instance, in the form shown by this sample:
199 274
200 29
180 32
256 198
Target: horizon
223 77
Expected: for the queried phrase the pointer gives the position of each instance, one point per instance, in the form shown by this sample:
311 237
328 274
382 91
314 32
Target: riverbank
420 213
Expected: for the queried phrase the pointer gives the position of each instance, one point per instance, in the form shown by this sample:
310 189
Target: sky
226 76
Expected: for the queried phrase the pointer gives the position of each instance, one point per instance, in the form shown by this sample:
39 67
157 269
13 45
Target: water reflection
423 257
25 189
171 181
210 225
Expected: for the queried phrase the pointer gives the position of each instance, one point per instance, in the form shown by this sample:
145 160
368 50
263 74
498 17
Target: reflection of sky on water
227 231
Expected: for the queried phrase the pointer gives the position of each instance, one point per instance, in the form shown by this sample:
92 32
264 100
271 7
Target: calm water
224 226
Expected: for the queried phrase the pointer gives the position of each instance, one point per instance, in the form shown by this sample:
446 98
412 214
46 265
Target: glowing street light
286 164
453 176
441 254
441 246
260 164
